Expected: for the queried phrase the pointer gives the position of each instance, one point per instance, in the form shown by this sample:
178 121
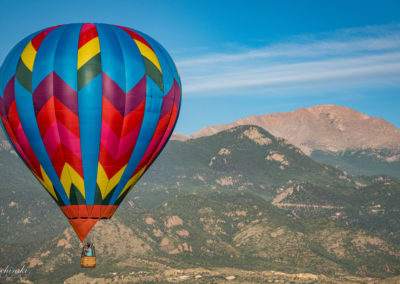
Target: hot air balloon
88 108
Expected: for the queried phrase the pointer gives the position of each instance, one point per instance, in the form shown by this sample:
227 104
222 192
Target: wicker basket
88 261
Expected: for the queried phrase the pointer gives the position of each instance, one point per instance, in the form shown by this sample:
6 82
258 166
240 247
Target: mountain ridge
241 200
324 127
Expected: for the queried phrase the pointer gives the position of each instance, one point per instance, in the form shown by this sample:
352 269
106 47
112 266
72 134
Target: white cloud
350 58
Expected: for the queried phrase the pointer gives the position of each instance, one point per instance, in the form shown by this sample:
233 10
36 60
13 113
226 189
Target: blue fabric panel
154 99
112 61
134 67
7 71
26 113
43 66
66 58
165 60
9 66
168 68
170 62
44 61
90 107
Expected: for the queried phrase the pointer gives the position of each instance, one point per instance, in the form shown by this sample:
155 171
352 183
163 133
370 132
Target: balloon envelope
88 107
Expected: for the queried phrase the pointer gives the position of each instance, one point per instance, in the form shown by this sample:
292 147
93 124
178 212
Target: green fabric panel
153 73
24 76
59 202
89 71
98 200
75 196
108 197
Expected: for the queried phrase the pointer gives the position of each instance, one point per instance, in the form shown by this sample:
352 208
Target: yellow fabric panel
106 184
148 53
66 180
115 180
102 180
47 183
76 179
86 52
28 56
133 180
69 176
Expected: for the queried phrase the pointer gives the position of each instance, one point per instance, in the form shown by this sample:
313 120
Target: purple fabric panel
9 97
65 94
43 93
135 96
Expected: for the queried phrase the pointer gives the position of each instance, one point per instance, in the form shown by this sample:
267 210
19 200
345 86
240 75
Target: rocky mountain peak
324 127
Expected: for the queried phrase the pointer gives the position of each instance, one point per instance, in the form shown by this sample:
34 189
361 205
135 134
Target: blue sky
238 58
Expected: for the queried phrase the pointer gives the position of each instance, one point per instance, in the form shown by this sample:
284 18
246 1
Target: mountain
330 134
241 203
4 144
216 237
249 159
12 169
324 127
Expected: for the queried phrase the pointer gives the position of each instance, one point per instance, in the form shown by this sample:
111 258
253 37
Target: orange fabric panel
82 226
88 211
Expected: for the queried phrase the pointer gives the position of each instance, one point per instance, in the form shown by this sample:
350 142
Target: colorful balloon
88 107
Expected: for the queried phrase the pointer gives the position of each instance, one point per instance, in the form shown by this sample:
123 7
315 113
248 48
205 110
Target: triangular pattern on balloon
150 60
12 125
56 108
165 126
121 123
89 57
25 65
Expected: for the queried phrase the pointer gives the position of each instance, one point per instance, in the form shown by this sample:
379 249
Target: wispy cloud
353 57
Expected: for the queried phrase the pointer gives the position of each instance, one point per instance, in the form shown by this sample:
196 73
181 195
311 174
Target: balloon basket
88 261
